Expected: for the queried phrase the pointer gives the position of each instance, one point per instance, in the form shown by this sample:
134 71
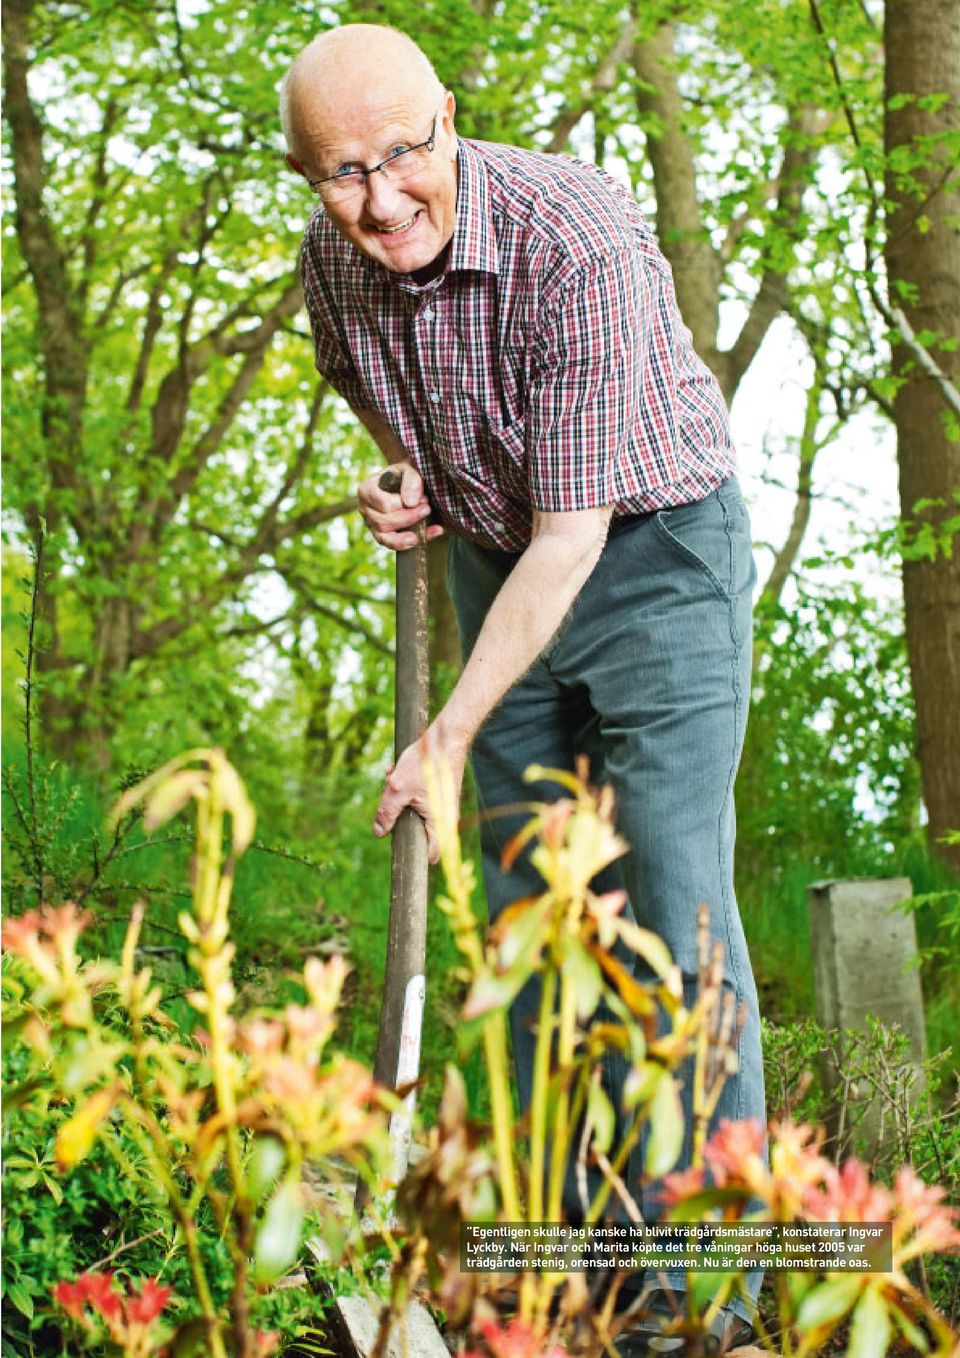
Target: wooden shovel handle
398 1046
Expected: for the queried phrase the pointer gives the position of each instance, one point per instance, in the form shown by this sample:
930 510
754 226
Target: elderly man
505 326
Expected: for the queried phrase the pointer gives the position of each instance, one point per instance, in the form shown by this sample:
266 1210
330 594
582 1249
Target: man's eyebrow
408 138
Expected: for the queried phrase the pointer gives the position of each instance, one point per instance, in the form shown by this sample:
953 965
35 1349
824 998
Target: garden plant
227 1121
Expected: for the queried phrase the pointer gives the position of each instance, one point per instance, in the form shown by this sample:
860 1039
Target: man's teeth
392 230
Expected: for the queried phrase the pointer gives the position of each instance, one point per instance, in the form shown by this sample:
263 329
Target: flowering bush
224 1123
128 1319
590 1004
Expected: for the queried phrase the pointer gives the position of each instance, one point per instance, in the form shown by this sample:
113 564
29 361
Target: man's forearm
382 435
530 608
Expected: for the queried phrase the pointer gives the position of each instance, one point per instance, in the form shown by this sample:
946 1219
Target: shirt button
498 527
435 397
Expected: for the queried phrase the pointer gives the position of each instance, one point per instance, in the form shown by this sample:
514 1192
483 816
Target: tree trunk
680 228
922 44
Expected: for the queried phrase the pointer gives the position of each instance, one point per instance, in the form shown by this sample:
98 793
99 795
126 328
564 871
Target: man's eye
343 170
400 150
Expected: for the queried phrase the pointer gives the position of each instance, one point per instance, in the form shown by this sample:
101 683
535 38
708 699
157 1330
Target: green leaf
870 1331
829 1301
602 1117
21 1299
666 1127
278 1239
265 1164
53 1188
582 970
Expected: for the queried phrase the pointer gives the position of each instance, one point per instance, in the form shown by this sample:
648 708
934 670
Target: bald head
353 64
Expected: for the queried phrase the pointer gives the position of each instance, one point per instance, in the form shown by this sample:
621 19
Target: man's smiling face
406 223
353 98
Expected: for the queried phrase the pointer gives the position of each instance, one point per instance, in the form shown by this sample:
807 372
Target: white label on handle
408 1068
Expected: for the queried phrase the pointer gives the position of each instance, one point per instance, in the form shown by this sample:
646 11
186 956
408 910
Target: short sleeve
332 358
595 361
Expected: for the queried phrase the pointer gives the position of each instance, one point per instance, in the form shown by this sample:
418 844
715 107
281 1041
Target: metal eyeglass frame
352 179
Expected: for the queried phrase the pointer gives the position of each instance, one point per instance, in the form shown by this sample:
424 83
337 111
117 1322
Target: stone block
862 947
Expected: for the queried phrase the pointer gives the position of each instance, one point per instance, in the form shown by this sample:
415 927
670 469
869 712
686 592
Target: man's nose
381 193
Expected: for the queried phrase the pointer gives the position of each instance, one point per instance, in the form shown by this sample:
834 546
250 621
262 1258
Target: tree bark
63 352
680 227
444 639
922 252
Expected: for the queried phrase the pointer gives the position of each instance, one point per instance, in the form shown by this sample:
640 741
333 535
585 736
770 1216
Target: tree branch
265 539
323 610
254 348
60 329
785 559
603 81
794 178
88 240
116 292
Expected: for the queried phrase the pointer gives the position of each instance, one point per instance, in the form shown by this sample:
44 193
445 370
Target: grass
777 927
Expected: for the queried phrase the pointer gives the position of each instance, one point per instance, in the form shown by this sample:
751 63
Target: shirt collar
474 244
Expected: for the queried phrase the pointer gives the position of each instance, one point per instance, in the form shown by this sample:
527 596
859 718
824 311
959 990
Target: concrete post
862 947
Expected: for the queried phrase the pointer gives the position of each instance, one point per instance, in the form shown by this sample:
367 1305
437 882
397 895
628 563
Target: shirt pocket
502 459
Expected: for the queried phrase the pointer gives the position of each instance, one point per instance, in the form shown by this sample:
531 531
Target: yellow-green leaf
582 971
78 1134
267 1160
602 1116
828 1302
665 1135
171 797
134 795
278 1239
491 991
870 1331
648 945
236 801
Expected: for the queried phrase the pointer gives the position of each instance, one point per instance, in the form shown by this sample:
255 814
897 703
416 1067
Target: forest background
184 565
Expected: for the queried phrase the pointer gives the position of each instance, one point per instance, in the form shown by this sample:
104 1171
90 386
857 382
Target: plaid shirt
547 367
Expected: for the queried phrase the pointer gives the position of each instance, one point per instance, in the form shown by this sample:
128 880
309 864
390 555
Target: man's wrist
454 735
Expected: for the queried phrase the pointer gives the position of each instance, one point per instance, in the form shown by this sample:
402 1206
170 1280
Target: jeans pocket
699 535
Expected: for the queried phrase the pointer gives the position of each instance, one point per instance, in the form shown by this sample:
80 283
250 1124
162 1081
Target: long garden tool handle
401 1016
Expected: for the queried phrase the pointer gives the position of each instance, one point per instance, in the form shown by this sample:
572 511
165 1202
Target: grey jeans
649 677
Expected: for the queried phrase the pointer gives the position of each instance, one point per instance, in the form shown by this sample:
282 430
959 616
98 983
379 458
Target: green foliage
191 1125
828 778
58 1226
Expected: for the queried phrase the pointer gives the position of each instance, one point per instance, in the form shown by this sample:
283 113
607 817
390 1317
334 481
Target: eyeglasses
402 163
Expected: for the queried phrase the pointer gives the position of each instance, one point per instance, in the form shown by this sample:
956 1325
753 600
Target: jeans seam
728 794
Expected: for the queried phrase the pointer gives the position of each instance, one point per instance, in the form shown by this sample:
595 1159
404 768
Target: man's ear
449 110
295 165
